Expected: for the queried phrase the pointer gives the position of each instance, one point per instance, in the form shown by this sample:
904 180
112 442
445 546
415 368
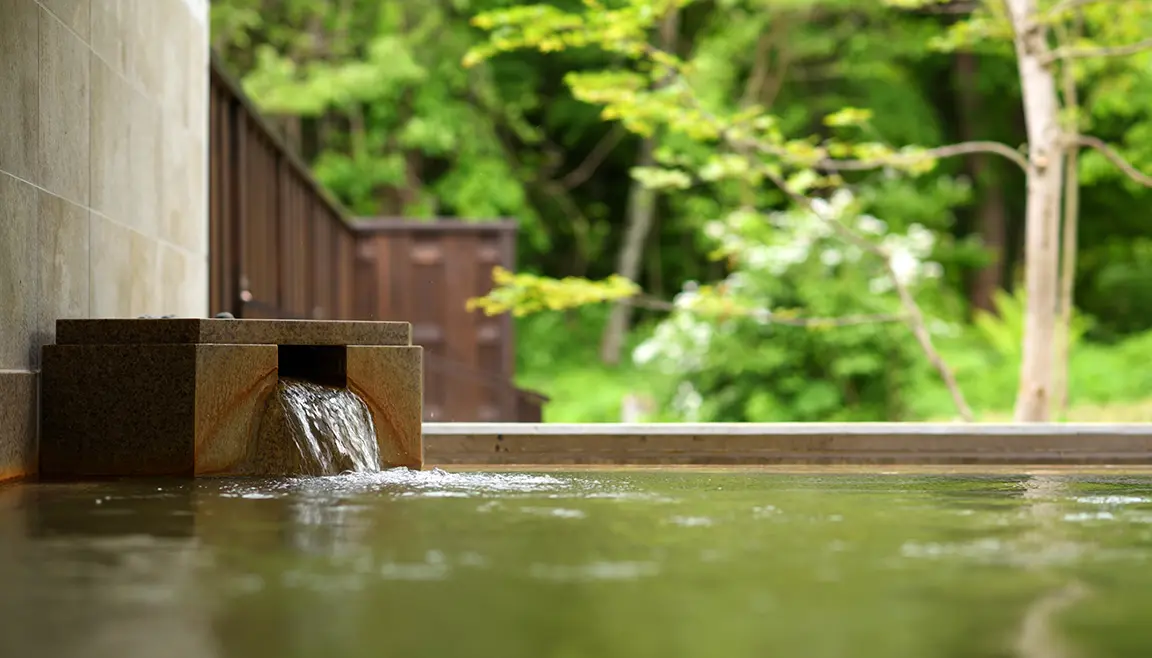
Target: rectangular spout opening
319 364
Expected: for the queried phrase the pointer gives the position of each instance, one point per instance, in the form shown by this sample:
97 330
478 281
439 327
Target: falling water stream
330 426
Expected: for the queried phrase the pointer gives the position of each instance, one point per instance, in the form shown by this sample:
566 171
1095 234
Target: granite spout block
187 397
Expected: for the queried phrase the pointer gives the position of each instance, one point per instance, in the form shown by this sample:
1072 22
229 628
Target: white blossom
932 270
870 225
687 402
767 247
831 257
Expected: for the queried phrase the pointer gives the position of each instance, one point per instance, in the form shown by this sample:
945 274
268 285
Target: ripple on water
594 571
1089 516
1113 500
691 521
558 512
631 495
434 567
994 551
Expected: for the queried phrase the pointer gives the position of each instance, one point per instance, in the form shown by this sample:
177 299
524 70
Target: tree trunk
641 212
991 217
1069 237
1067 279
992 221
1042 215
1068 246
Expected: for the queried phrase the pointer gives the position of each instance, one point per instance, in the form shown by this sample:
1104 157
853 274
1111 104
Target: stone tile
117 410
63 131
198 65
19 78
174 92
183 282
111 183
63 267
76 14
108 32
184 196
18 285
124 271
144 145
391 381
232 384
18 391
146 52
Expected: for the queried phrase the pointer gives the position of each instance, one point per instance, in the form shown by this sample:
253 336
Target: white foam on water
1113 500
403 482
558 512
1089 516
414 571
691 521
249 495
631 495
995 551
594 571
438 482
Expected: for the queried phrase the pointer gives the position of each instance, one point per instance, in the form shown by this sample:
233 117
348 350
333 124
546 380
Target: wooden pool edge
722 445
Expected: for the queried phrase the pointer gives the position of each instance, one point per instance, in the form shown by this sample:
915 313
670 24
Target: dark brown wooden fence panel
424 273
281 247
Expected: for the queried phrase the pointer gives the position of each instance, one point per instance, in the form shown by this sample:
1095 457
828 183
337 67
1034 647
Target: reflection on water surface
599 564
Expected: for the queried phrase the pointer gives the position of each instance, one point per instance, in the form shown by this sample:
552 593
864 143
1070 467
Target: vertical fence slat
281 248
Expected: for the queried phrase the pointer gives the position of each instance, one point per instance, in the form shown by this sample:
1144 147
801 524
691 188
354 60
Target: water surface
600 564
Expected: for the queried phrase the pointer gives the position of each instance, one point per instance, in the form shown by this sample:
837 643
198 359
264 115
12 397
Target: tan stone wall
103 178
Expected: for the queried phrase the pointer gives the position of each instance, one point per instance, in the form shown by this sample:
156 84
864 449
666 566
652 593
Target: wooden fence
281 247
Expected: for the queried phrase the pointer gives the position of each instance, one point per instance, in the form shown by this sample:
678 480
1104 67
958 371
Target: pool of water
599 564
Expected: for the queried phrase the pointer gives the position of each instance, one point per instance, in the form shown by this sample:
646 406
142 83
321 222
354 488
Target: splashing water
331 427
406 483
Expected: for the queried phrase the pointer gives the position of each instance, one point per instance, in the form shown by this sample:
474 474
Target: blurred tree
373 94
760 151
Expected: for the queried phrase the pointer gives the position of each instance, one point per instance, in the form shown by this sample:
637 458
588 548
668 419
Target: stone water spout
205 397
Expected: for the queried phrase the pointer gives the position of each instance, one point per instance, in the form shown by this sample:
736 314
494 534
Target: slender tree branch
914 317
1103 51
949 151
584 171
1071 219
755 81
656 304
1115 158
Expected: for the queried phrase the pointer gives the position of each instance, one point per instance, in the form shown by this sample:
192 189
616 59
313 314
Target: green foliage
410 118
1004 330
771 259
755 89
558 356
522 294
753 362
